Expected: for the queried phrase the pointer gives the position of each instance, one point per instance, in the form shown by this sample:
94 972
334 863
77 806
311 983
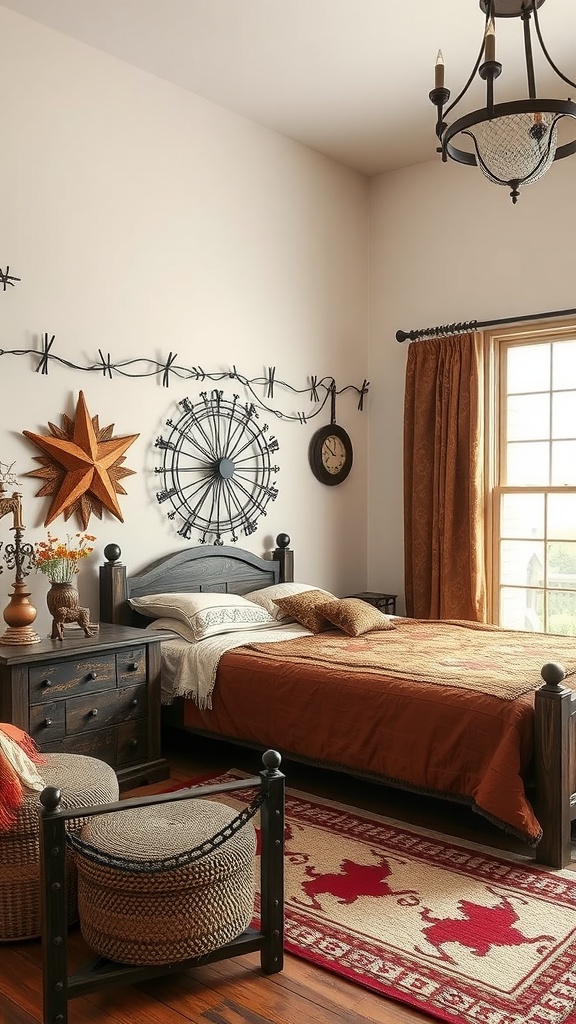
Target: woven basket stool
149 904
82 781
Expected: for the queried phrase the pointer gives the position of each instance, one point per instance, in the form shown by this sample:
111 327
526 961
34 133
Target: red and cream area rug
445 927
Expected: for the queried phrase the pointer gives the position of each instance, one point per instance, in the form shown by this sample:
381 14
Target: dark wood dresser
96 695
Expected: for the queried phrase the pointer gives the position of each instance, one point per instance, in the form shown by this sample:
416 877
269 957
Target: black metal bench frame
59 986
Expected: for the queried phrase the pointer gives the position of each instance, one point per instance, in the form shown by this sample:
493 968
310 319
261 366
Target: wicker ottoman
144 899
83 781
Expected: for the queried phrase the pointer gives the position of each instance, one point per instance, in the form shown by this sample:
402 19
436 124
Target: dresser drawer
66 678
98 710
100 744
48 721
131 666
132 742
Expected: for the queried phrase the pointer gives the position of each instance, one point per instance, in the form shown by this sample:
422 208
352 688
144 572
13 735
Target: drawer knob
94 712
91 675
47 722
46 682
135 702
132 666
133 743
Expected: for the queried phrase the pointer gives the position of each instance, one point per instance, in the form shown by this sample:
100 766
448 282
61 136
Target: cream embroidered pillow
307 608
205 614
355 617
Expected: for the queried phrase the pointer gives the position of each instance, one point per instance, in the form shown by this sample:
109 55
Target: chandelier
513 143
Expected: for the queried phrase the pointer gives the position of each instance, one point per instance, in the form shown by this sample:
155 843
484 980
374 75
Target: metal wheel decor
216 468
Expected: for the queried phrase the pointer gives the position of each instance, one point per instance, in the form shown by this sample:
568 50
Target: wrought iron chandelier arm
547 55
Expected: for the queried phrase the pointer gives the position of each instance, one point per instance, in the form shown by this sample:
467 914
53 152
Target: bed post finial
113 590
112 552
285 558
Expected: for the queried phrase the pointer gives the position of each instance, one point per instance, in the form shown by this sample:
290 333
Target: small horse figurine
64 614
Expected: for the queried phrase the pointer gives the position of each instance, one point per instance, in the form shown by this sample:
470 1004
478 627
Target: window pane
564 414
561 516
522 562
528 368
528 417
563 463
522 515
562 612
564 365
521 608
528 464
562 565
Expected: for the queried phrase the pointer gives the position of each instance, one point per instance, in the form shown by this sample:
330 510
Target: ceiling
349 78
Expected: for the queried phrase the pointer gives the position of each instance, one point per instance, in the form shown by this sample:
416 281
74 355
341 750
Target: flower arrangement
58 559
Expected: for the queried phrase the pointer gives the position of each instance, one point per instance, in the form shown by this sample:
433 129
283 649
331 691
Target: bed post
113 589
285 558
553 767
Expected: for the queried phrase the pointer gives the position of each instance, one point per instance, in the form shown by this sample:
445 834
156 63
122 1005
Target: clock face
330 454
217 471
333 454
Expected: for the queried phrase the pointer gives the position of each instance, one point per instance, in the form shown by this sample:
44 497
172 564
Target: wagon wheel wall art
217 470
81 466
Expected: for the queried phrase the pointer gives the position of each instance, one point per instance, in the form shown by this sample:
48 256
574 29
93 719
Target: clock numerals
163 496
216 468
185 531
166 445
333 454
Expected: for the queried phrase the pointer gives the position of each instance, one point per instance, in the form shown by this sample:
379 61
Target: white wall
143 220
448 246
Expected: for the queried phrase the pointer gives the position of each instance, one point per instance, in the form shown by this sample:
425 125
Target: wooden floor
236 991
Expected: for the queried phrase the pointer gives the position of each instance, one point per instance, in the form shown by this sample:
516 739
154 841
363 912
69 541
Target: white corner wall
448 246
144 221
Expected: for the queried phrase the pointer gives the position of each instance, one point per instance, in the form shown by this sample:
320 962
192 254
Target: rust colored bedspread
431 737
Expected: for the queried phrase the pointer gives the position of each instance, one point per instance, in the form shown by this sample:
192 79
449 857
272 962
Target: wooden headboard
216 569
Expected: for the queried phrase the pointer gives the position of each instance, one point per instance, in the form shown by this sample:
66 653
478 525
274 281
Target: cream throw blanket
18 772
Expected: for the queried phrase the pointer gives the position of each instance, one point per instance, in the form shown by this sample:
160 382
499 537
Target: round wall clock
216 468
330 454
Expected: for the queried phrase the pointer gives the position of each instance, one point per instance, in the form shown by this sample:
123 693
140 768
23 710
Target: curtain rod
446 330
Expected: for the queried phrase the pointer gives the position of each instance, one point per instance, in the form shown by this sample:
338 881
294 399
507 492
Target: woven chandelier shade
516 147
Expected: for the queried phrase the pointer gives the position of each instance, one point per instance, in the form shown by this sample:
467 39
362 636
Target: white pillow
175 626
183 630
266 597
204 614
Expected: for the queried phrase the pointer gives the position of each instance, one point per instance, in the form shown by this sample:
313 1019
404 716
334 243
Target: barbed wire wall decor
7 279
319 390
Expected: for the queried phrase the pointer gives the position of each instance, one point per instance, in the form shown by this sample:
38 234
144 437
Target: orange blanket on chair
18 757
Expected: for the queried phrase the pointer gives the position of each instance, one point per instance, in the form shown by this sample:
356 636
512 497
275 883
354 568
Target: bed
400 704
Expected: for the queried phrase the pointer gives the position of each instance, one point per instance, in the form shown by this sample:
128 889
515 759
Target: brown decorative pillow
268 597
306 608
355 617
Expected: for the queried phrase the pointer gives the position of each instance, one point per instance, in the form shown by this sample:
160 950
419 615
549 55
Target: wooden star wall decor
82 466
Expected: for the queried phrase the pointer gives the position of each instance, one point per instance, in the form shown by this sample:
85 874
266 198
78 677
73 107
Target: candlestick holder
19 613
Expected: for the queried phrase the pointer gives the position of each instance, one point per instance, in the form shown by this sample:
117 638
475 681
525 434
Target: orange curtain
443 480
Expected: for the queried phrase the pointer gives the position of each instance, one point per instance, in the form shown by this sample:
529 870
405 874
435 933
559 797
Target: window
533 551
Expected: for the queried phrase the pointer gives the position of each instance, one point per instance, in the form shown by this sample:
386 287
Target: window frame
497 343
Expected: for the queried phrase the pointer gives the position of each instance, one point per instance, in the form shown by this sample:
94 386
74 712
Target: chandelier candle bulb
439 71
490 41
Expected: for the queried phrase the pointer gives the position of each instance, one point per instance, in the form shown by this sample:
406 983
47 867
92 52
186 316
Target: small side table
384 602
